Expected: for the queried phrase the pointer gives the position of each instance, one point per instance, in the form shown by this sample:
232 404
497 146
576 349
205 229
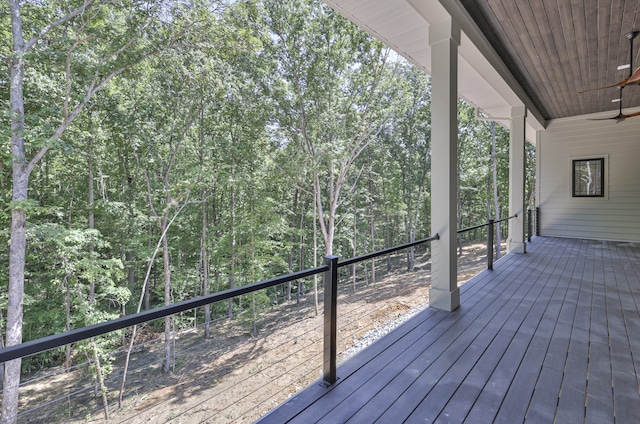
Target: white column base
444 299
516 247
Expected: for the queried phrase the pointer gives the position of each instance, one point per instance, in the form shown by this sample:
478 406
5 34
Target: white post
516 240
444 38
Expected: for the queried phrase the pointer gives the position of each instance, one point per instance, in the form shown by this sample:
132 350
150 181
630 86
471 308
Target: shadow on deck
553 334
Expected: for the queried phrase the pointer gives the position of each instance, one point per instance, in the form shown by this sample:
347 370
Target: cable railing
329 271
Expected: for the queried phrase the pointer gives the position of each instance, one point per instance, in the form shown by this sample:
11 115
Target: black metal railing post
529 225
490 245
537 221
330 354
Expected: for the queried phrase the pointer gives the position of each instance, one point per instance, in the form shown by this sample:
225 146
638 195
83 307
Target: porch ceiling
556 49
537 53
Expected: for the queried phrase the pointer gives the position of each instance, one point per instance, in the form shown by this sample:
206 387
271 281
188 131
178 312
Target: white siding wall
615 217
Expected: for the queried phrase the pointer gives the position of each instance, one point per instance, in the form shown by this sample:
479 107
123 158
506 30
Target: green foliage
226 108
62 266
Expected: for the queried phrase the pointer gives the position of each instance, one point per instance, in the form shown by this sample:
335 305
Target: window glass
588 177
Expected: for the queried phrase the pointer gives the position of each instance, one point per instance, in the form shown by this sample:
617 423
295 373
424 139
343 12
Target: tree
87 66
331 104
408 138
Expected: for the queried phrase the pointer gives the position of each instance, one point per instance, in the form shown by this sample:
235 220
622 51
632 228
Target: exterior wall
616 216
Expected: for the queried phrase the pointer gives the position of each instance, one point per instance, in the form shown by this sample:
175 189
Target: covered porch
547 336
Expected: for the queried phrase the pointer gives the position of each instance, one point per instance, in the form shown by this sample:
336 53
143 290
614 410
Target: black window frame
575 162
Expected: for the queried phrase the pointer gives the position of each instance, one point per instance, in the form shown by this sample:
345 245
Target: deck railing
490 235
330 281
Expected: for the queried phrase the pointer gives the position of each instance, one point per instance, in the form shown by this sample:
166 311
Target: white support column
444 39
516 239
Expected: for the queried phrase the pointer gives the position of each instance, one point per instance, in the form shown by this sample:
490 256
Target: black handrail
72 336
386 251
486 224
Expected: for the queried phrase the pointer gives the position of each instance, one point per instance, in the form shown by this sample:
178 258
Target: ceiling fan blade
631 115
618 118
634 79
620 84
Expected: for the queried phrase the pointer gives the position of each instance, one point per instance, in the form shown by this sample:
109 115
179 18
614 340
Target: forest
156 151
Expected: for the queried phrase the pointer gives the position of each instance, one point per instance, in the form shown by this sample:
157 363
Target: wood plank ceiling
557 48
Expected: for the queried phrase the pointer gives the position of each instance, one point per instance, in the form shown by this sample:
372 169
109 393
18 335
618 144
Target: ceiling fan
633 79
620 116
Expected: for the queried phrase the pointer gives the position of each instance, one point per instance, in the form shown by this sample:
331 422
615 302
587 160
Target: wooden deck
553 334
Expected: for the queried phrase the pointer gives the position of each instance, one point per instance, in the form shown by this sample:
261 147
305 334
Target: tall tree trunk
496 200
167 297
20 175
372 226
92 286
142 294
67 314
354 243
91 217
293 224
301 245
254 305
315 253
147 291
233 245
100 379
204 255
387 232
129 254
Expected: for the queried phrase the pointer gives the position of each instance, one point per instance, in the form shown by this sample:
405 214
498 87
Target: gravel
377 333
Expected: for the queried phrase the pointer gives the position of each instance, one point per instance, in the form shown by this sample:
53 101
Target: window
588 177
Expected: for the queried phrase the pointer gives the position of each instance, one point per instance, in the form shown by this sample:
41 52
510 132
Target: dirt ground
235 376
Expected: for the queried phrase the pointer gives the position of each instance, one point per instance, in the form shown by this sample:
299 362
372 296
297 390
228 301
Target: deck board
549 335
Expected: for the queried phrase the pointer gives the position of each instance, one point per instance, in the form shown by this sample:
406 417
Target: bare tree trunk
354 243
20 175
142 294
254 303
100 378
387 231
301 246
315 254
291 240
372 227
166 367
67 313
91 217
204 254
147 291
92 286
233 246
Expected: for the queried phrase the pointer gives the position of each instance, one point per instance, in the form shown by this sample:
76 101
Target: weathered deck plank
547 335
